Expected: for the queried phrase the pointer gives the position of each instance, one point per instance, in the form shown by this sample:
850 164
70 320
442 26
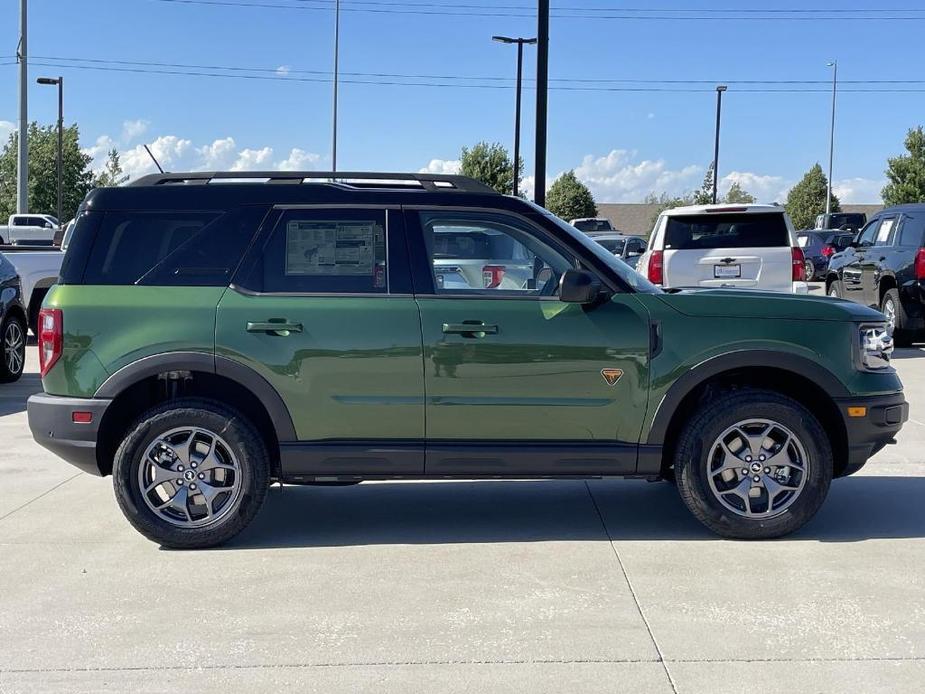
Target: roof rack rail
350 179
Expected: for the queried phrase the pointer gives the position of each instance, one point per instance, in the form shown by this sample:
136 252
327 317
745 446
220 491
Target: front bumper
51 419
885 416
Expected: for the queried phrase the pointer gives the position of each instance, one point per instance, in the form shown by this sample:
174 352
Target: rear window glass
726 231
593 225
613 245
129 245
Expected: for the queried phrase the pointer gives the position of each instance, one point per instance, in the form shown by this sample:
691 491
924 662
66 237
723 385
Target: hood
750 303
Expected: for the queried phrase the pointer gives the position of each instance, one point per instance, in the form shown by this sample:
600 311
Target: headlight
876 344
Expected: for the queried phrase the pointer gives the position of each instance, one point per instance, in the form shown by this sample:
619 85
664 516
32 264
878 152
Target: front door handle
280 328
470 328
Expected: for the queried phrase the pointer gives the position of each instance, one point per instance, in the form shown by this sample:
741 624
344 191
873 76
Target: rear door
722 249
323 310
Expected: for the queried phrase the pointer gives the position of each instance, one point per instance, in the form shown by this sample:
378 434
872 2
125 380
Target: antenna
153 159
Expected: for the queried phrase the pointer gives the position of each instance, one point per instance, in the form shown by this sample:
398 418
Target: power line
283 72
393 83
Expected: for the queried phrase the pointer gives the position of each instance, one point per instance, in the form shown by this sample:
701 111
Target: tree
806 199
492 165
77 178
112 174
738 195
666 202
569 198
906 173
704 196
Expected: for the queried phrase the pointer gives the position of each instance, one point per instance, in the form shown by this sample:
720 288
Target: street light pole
520 62
336 78
542 99
828 192
22 189
60 84
719 110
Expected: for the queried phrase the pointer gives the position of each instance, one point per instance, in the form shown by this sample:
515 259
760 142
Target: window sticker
343 248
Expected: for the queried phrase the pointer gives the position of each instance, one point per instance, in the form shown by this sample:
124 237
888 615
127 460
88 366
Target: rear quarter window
726 231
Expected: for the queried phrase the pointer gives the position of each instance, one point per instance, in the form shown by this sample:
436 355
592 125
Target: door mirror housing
578 287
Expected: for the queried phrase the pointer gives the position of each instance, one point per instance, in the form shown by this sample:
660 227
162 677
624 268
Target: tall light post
22 188
828 192
542 99
336 79
719 110
520 66
59 82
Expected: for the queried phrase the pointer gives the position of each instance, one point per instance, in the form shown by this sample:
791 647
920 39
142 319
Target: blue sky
624 144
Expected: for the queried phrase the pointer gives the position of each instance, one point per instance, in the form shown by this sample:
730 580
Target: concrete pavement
602 586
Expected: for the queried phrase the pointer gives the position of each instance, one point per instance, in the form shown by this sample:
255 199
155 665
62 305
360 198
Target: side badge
611 376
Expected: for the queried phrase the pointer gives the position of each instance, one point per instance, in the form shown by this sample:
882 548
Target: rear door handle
281 328
470 328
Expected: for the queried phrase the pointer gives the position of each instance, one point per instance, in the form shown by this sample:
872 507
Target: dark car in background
592 224
884 267
12 323
627 248
846 221
818 248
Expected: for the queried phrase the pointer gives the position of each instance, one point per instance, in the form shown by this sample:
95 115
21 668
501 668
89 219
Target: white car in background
737 246
29 229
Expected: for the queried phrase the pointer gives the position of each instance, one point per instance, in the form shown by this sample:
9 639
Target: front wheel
191 474
753 465
892 309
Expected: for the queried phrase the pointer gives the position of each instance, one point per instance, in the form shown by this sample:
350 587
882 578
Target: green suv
210 336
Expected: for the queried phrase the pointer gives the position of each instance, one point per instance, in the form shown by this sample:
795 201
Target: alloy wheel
889 310
190 477
14 343
757 468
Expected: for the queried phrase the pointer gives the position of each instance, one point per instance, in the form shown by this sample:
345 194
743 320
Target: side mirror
578 287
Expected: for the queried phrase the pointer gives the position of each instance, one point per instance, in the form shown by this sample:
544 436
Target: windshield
636 281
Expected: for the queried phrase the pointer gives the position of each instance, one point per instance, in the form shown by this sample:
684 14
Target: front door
518 382
323 310
852 274
874 257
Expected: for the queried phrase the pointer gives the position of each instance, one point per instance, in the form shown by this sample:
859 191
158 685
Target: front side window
868 234
490 255
325 251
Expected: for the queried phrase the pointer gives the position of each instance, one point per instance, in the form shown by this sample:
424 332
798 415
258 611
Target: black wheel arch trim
784 361
209 363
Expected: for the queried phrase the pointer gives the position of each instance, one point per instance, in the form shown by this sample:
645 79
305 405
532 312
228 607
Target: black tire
834 289
35 305
728 409
901 336
10 372
242 439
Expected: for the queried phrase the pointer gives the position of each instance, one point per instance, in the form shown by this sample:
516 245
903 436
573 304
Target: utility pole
542 99
828 192
520 65
719 110
22 194
336 79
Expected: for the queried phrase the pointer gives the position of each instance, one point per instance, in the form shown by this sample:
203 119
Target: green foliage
112 174
666 202
906 173
806 199
77 178
704 196
569 198
492 165
738 195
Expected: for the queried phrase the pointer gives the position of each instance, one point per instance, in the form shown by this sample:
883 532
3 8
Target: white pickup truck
38 270
29 229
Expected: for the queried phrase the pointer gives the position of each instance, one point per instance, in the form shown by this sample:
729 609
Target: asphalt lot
607 586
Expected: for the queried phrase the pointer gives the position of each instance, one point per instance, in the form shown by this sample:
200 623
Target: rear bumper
885 416
53 427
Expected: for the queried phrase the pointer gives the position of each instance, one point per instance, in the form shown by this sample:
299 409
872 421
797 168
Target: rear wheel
13 341
191 474
810 270
753 465
892 309
835 289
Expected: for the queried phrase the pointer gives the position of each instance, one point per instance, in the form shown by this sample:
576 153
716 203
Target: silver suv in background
742 246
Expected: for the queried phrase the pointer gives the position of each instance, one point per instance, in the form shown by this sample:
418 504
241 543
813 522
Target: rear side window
726 231
129 245
912 231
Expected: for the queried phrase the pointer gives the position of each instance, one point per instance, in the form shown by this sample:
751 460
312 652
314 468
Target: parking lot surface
598 586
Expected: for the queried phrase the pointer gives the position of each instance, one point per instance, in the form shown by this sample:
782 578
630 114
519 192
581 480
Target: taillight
828 250
51 337
492 276
799 264
656 269
920 264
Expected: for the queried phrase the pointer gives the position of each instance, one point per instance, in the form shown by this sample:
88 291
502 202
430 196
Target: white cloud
765 189
252 159
169 150
618 177
219 155
133 129
442 166
299 160
283 70
859 190
99 150
6 128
